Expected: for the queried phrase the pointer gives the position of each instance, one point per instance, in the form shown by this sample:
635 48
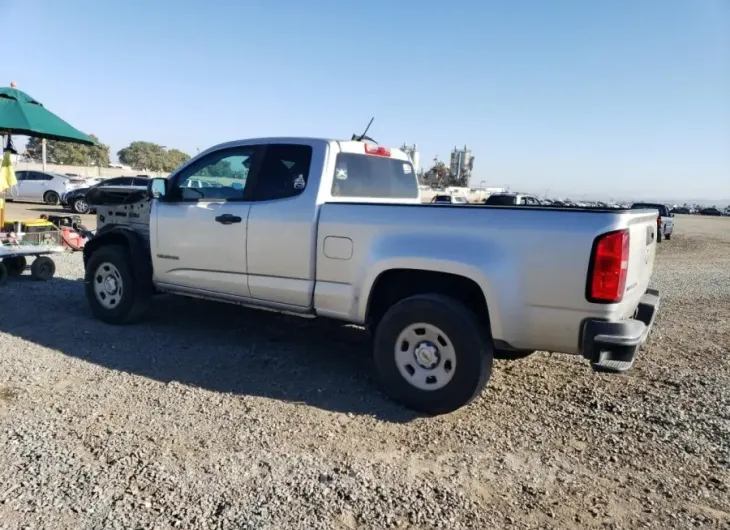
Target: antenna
363 136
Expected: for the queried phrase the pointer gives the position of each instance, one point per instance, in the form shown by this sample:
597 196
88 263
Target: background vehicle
449 199
40 186
710 211
511 199
331 228
75 200
665 220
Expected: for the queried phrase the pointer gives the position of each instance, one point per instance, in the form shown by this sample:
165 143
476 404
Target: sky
610 98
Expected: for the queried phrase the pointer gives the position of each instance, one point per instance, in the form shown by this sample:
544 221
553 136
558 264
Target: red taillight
607 281
376 150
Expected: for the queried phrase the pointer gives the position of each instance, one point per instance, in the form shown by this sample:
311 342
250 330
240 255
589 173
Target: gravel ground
213 416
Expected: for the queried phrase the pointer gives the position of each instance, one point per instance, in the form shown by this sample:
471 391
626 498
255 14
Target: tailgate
643 234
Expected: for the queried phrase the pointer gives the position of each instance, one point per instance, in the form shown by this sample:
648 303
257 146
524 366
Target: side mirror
157 188
671 215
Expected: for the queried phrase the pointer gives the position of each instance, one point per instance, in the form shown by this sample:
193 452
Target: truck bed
531 263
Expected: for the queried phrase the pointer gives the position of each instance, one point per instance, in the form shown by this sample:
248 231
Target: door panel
282 237
31 188
21 177
282 226
199 232
194 250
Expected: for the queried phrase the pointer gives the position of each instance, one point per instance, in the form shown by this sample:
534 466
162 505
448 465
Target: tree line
139 155
440 175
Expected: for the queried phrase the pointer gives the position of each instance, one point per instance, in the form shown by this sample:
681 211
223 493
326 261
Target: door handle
228 219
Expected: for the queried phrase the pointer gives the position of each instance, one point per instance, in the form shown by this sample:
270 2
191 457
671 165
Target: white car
43 186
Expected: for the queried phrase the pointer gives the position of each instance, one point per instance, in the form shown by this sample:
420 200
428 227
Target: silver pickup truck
335 229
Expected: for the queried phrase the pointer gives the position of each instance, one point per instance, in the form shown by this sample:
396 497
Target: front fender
126 237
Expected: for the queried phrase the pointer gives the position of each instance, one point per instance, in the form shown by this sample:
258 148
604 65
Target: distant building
412 152
462 163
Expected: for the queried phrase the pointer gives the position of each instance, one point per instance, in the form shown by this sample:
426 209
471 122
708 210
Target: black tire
668 237
15 266
3 273
42 269
51 198
134 299
471 343
512 355
80 206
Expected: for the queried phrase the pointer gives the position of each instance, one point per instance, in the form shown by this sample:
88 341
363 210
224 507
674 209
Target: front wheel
431 354
113 292
668 237
80 206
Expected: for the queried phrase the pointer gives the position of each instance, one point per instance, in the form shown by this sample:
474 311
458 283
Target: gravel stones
217 417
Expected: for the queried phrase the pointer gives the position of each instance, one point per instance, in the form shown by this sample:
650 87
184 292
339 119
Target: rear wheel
52 198
431 354
43 268
113 292
668 236
16 265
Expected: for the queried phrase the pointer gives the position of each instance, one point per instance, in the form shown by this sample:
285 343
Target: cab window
221 175
284 172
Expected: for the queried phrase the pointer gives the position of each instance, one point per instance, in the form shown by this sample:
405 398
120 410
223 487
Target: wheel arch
129 239
392 285
48 192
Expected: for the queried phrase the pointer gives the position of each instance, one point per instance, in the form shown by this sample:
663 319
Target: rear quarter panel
531 264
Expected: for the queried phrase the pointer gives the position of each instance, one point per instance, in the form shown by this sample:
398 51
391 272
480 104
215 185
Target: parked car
681 210
43 186
75 200
710 211
665 220
511 199
449 199
329 229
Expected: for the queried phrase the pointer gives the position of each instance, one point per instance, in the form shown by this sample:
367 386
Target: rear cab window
379 176
651 206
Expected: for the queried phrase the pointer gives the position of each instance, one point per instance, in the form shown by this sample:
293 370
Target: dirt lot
212 416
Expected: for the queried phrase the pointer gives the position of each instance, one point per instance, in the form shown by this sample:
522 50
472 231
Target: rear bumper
612 346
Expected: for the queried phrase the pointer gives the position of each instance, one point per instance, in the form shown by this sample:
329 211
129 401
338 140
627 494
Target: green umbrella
21 114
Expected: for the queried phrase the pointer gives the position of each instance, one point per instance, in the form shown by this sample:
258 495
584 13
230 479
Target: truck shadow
218 347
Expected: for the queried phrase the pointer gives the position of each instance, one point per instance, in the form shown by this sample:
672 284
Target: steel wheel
108 285
425 356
